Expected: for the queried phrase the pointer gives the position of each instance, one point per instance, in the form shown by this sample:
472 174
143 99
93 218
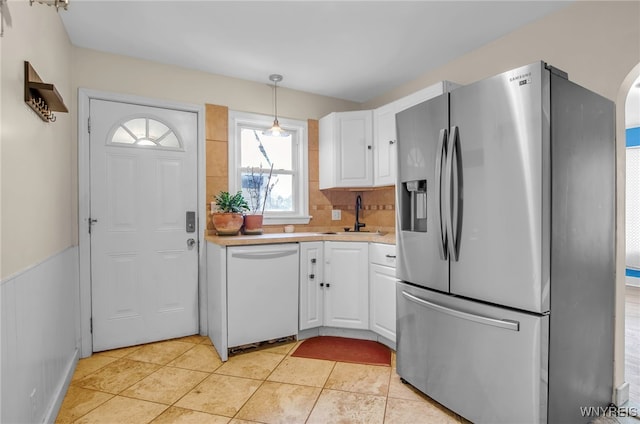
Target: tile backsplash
378 204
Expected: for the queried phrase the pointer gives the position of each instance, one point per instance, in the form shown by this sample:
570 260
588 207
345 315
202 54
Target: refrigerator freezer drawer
486 363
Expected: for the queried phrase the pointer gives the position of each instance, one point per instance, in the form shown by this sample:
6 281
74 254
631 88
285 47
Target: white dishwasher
262 293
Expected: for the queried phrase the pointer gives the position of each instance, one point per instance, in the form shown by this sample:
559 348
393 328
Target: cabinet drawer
383 254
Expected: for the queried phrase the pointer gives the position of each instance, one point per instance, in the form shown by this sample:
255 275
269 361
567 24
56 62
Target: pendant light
275 130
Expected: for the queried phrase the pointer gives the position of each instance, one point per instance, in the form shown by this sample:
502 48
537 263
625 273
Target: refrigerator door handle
451 191
480 319
440 157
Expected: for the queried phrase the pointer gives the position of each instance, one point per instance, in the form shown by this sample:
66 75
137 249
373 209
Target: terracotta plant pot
227 223
253 224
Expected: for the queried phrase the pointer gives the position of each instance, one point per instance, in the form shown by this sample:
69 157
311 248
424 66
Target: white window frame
299 133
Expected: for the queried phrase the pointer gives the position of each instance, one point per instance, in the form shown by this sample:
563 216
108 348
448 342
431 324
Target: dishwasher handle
267 254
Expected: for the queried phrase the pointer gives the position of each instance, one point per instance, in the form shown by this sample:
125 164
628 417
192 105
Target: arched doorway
631 163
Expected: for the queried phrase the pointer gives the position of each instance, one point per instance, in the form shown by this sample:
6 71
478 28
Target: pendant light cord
275 101
275 129
276 78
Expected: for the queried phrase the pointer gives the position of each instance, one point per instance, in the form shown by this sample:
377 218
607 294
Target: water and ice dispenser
413 199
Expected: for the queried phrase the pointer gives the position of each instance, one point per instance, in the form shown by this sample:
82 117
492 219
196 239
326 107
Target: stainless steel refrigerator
505 215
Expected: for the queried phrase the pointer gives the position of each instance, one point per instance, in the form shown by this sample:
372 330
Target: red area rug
342 349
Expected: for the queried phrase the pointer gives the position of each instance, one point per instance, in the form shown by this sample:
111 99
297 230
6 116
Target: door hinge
91 325
89 125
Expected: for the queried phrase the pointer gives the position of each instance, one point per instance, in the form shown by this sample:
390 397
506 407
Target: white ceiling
354 50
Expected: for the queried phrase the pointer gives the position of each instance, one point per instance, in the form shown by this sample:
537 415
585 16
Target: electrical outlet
336 214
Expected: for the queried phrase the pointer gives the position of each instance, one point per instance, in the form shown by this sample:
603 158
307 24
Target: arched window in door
145 131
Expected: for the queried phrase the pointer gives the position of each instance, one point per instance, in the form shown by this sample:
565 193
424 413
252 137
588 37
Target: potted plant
228 218
258 195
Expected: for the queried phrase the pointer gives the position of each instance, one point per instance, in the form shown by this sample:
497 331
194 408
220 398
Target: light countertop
242 240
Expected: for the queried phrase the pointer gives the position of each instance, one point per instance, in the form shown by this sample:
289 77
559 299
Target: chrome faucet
358 224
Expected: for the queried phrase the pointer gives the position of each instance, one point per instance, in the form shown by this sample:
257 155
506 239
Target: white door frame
84 197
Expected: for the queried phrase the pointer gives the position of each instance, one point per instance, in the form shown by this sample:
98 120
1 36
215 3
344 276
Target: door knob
190 243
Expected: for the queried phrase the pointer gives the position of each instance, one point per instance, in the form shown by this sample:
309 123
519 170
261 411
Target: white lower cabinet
382 275
346 289
311 312
334 285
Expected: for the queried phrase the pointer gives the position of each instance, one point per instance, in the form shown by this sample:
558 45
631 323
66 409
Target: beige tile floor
184 381
632 342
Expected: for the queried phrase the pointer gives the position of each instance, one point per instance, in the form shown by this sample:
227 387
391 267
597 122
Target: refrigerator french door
505 245
487 140
499 158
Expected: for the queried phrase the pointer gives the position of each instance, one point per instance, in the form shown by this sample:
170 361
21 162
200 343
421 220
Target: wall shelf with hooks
42 97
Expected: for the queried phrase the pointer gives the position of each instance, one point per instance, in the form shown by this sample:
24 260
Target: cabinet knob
392 141
369 147
313 260
321 284
328 285
312 276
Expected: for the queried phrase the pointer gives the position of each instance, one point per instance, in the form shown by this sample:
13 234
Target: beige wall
120 74
102 71
37 168
598 44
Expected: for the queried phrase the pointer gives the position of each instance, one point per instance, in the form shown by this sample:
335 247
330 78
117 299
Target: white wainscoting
39 314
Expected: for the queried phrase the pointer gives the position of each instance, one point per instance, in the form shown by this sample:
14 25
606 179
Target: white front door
144 252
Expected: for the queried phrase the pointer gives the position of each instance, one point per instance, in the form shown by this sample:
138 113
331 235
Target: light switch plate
336 214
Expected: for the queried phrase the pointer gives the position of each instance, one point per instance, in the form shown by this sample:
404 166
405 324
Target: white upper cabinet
384 135
346 149
359 148
384 145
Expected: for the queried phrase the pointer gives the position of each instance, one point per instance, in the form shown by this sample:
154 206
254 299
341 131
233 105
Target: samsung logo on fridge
521 78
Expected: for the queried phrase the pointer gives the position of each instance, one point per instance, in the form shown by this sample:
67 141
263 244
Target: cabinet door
355 149
311 285
384 146
346 149
384 131
346 285
326 151
383 300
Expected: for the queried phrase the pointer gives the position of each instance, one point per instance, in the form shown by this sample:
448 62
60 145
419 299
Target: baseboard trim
621 396
61 390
